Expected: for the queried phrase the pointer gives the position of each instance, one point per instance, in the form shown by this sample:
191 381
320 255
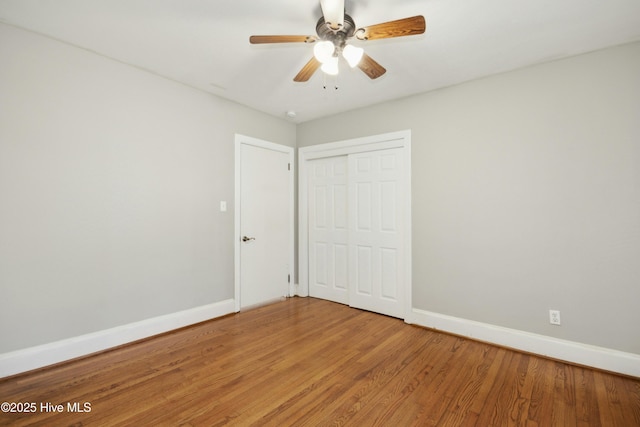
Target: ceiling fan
333 31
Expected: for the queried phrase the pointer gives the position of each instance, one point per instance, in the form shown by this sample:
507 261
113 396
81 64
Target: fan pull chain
324 81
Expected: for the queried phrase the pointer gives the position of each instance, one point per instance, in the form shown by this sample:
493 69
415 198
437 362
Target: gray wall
526 195
110 183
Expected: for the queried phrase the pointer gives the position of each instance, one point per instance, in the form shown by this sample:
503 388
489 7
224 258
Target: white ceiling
205 43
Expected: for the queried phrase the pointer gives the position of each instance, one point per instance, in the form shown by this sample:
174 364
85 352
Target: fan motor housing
338 37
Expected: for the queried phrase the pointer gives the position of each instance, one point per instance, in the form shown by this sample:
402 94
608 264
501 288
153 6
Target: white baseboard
569 351
27 359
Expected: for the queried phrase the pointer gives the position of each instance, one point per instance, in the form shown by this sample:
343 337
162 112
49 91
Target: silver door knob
246 239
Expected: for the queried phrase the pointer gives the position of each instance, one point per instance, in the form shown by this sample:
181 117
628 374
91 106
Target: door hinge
288 278
288 166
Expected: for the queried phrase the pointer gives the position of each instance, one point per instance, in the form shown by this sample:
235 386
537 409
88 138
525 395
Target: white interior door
376 245
265 225
328 229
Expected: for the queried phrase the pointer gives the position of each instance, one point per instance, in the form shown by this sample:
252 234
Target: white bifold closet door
356 231
328 229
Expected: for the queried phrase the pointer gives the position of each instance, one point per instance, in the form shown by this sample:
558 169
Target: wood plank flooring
304 361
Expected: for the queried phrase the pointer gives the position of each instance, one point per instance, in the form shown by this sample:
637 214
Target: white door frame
401 139
247 140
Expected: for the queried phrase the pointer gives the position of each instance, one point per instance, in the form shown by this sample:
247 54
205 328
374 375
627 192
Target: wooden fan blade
281 39
370 67
401 27
308 70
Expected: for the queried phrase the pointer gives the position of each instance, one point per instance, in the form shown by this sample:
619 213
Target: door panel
364 271
388 273
341 266
265 220
328 225
375 236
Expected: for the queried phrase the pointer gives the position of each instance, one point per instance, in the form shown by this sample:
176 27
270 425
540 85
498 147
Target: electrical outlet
554 317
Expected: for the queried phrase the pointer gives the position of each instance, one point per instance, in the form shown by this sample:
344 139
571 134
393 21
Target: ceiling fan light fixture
331 66
323 51
352 54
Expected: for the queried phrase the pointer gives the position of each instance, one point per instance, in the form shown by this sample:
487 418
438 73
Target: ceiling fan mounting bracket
339 36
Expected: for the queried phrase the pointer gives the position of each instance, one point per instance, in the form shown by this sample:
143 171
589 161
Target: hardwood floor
306 361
